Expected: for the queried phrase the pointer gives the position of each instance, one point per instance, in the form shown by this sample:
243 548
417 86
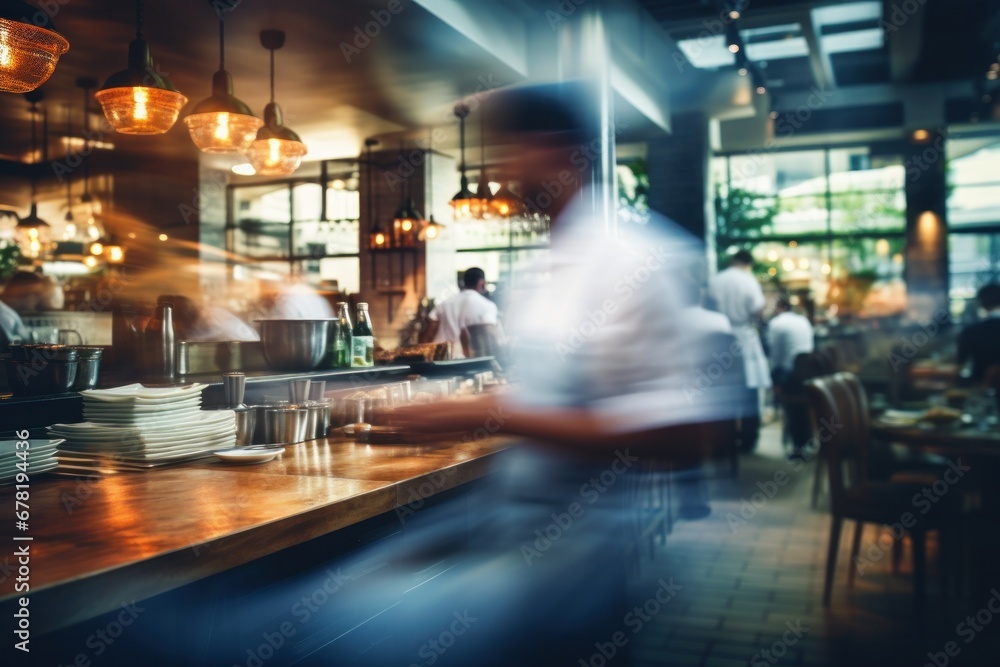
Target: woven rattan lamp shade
28 55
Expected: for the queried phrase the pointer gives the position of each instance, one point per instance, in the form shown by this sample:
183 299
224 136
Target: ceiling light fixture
463 202
377 238
277 150
29 52
759 83
733 41
432 228
407 219
32 234
222 123
138 99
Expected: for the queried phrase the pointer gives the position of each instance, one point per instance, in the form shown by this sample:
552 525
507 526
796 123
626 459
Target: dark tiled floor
751 592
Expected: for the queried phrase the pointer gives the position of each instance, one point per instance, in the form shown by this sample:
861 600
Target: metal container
89 369
41 376
285 425
294 344
298 390
246 422
318 421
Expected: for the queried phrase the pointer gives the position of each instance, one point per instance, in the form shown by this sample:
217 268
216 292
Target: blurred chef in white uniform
738 296
600 370
467 308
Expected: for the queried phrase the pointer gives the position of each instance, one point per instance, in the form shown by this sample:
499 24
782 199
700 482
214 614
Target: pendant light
222 123
431 229
138 100
69 231
463 201
505 203
377 238
33 235
482 209
407 219
277 150
92 203
29 52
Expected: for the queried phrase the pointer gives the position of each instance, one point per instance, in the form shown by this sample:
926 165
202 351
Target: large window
826 224
973 219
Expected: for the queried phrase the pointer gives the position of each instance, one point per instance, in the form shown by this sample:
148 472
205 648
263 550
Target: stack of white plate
135 427
36 457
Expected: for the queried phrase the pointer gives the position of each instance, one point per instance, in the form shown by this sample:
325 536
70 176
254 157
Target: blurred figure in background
207 322
451 317
295 301
738 296
790 334
600 366
978 342
21 294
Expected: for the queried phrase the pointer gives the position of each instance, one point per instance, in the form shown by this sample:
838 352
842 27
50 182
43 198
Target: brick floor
757 587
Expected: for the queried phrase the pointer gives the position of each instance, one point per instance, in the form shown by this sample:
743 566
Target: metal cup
355 410
246 422
285 425
235 385
317 390
299 390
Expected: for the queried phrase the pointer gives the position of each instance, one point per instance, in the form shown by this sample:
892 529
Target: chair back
832 407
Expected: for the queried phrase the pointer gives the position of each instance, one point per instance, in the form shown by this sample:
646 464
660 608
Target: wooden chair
840 427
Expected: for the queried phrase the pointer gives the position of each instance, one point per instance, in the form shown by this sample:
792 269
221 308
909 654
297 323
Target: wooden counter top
131 536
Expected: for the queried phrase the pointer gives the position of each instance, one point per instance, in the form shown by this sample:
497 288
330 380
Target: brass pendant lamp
138 99
277 150
222 123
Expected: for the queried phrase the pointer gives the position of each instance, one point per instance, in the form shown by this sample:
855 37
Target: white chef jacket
738 296
457 312
788 335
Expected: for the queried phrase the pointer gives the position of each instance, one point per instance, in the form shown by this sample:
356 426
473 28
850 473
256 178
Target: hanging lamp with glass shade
483 208
431 228
222 123
29 51
32 234
407 220
464 202
377 238
277 150
138 99
505 203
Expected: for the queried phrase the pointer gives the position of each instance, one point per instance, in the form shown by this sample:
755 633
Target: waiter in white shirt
738 296
467 308
790 334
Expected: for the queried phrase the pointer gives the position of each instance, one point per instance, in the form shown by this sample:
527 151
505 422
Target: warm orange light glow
90 261
276 157
96 249
163 237
432 232
928 229
115 254
406 225
882 247
28 55
921 135
140 110
222 132
380 239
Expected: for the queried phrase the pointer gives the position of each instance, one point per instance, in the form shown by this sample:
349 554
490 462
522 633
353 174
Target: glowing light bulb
406 225
222 127
274 152
33 234
432 232
96 249
90 261
788 265
163 237
772 256
140 100
379 238
6 53
826 269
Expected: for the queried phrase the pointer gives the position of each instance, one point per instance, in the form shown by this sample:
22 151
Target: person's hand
450 416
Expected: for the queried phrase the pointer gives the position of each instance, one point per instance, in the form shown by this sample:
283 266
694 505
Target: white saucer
248 455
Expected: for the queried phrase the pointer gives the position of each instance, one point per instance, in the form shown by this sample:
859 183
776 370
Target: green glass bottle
363 339
342 337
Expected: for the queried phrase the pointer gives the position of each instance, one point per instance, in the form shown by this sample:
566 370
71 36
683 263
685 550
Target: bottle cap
363 305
